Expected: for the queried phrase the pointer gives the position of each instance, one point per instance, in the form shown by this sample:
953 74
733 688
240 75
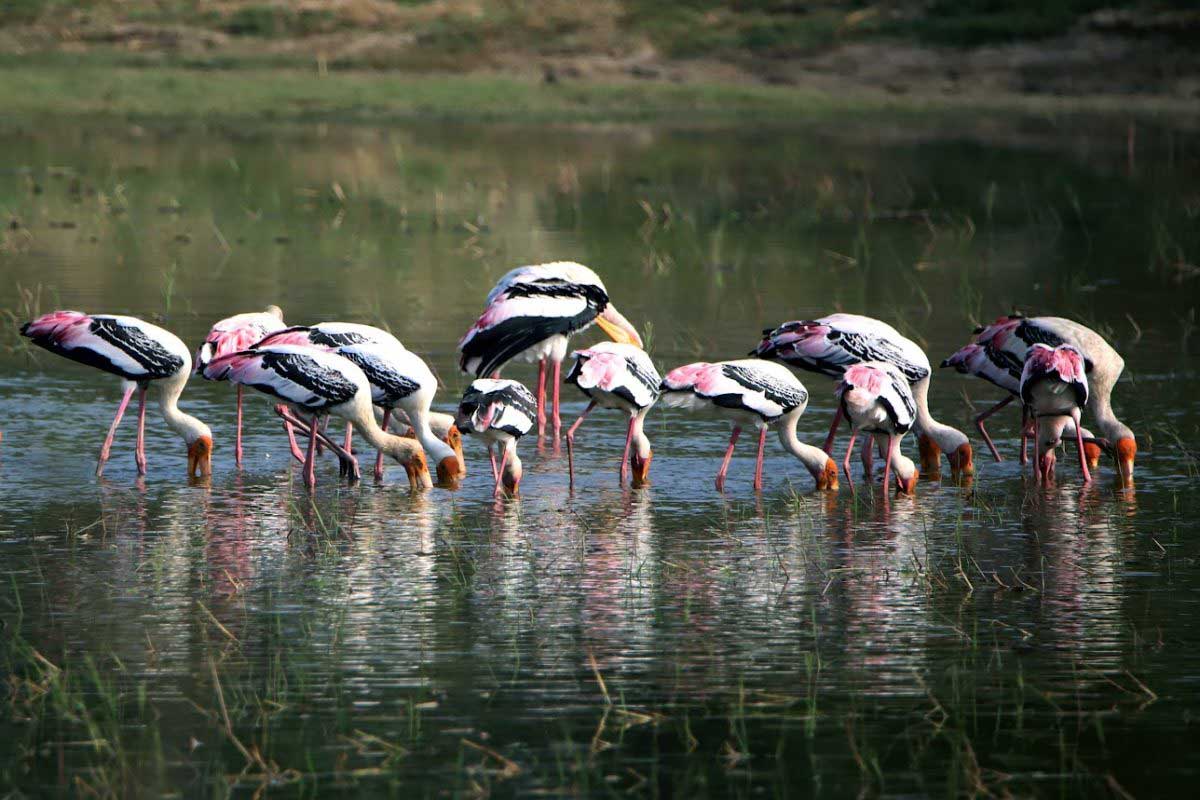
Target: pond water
163 637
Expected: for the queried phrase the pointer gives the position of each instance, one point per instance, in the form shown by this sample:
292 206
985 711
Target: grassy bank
89 89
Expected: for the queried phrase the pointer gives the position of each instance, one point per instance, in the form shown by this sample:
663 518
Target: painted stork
500 412
1004 345
402 385
1054 387
619 376
876 398
322 383
750 392
230 335
830 344
140 354
530 314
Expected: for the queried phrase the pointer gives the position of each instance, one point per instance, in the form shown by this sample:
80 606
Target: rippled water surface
995 637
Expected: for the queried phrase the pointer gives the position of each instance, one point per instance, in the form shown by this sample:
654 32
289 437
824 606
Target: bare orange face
454 439
909 486
962 460
418 471
447 472
1092 453
931 455
200 457
1126 453
641 469
827 478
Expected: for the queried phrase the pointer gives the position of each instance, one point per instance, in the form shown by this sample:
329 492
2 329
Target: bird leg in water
348 446
310 472
106 448
237 436
140 451
387 416
492 458
983 431
571 446
737 431
837 418
893 446
500 473
758 465
541 398
867 456
348 463
557 384
1083 466
846 460
1025 425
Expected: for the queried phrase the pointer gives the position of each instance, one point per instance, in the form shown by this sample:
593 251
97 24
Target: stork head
827 477
454 439
931 455
619 329
962 463
640 466
200 456
1126 453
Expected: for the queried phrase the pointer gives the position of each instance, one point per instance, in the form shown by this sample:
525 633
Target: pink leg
349 438
983 431
541 398
140 453
283 412
495 471
758 465
737 431
571 445
1087 475
310 461
557 384
1025 434
837 418
237 436
112 429
500 473
348 464
387 415
625 455
867 455
846 460
893 445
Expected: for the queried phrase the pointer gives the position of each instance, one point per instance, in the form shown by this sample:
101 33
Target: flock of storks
365 376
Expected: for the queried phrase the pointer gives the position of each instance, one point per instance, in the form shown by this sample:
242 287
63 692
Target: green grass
97 88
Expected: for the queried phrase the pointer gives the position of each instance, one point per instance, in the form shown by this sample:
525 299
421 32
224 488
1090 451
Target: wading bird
231 335
321 383
141 354
829 345
620 376
1005 344
876 399
500 412
750 393
400 382
1054 387
530 314
1003 370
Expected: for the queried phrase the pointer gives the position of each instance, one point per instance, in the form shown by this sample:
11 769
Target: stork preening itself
531 313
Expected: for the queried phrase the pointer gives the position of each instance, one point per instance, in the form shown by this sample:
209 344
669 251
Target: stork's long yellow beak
619 329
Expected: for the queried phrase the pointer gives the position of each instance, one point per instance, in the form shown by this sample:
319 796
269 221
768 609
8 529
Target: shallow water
996 636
